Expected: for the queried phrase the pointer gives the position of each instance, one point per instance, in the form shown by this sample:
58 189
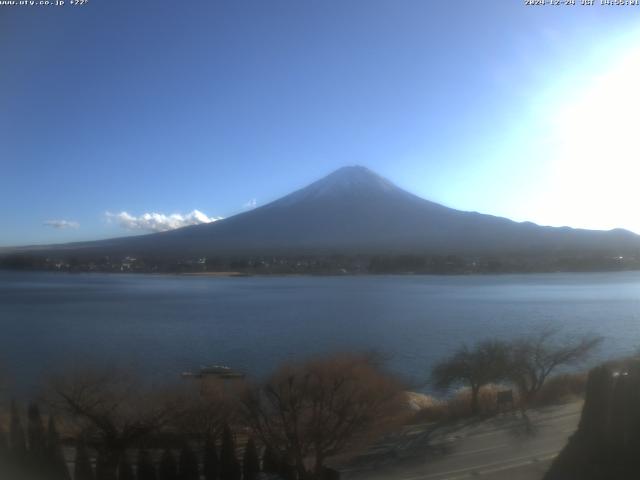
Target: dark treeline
326 264
29 450
115 426
36 453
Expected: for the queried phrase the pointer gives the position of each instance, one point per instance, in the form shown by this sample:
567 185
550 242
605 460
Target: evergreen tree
211 464
4 454
229 466
287 471
16 435
82 468
270 461
4 446
125 472
103 470
146 468
36 438
188 464
56 463
168 469
250 461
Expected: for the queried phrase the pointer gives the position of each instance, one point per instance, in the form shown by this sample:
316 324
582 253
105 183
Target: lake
163 325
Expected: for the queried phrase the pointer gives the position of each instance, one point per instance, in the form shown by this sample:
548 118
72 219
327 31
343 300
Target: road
506 447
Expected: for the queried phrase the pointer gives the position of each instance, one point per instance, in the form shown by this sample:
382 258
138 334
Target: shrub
562 389
459 404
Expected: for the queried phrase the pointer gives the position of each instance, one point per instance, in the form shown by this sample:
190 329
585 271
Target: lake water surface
163 325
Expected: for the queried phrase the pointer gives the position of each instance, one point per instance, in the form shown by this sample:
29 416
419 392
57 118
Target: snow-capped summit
352 182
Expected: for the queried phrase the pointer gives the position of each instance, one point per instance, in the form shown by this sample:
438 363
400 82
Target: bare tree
475 367
205 411
312 411
113 407
533 358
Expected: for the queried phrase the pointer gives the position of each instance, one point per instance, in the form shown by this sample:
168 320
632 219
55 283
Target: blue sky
169 107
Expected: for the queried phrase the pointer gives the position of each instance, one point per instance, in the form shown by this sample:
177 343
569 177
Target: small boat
218 371
221 371
215 370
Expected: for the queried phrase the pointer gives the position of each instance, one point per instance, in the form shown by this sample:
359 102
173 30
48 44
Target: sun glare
596 143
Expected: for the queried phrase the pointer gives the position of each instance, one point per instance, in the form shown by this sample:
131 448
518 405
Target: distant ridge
353 210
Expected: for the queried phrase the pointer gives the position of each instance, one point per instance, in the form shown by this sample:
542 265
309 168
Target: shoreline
203 274
237 274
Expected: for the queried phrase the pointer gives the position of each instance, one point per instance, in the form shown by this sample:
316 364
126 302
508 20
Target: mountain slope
353 210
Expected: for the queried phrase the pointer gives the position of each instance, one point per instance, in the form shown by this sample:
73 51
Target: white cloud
159 222
61 224
251 204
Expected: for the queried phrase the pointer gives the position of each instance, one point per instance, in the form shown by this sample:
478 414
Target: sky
121 117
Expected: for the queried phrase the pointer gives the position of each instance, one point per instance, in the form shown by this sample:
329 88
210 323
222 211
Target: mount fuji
354 210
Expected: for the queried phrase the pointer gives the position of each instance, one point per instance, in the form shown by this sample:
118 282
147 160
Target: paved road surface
506 447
